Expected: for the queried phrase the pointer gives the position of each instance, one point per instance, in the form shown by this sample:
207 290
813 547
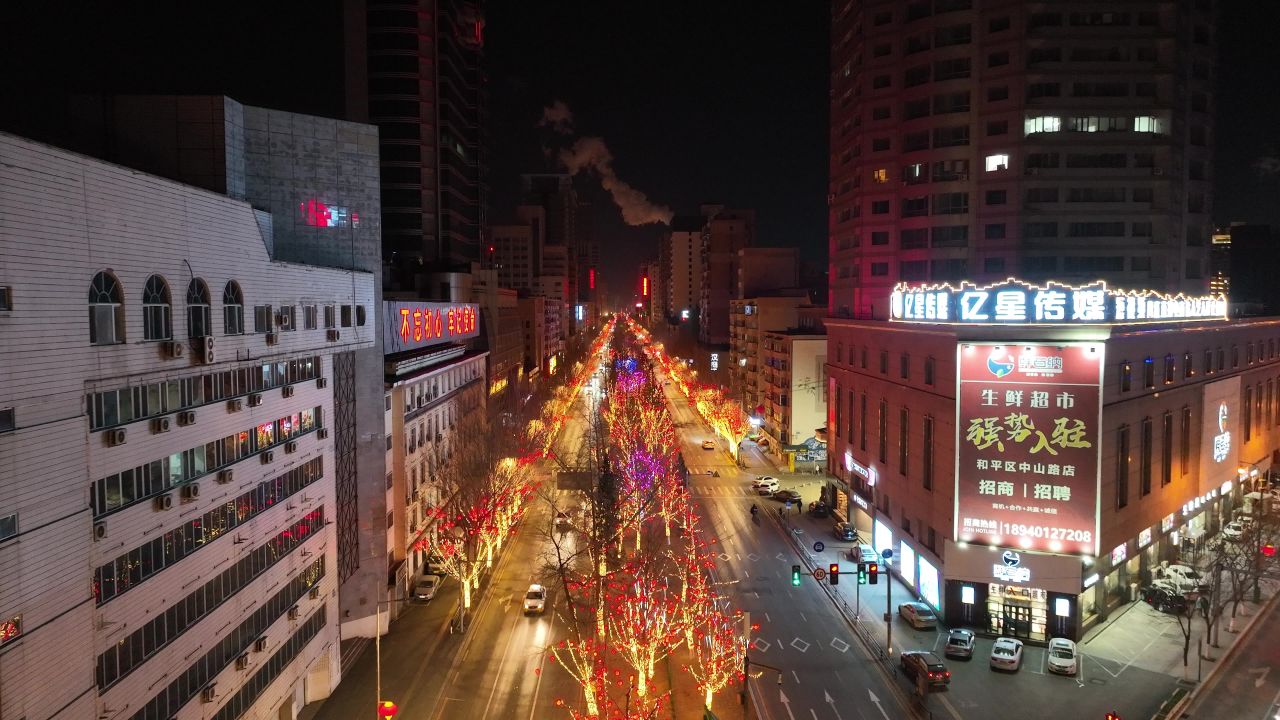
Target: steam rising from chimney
590 154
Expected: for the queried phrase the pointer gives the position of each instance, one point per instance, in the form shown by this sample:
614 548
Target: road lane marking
839 644
797 677
805 647
744 572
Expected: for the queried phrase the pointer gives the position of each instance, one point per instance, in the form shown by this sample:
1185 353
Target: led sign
10 629
318 214
1016 302
413 325
857 468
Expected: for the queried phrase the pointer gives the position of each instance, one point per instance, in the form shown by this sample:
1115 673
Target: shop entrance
1017 612
1017 620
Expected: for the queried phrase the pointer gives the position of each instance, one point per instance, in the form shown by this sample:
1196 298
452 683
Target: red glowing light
1269 550
591 278
644 286
387 709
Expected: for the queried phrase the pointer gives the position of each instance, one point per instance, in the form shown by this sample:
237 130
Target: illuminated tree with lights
643 625
718 650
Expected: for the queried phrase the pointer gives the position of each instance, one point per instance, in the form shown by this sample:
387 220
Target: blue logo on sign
999 366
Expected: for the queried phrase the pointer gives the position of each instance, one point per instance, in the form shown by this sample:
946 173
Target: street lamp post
377 648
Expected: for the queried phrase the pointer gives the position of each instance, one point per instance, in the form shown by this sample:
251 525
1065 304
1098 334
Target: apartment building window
951 203
949 236
997 162
862 358
199 315
1122 466
157 317
1247 420
8 526
879 144
998 127
883 437
1208 362
106 310
915 109
996 93
1222 359
1166 449
913 270
879 207
951 136
310 320
951 103
263 321
1248 354
993 265
879 269
1043 123
1126 376
1184 442
926 474
862 413
1169 369
904 435
997 197
884 362
997 59
880 237
1266 420
1148 373
851 415
904 366
953 35
998 24
330 317
1143 195
994 231
912 142
1144 466
928 371
1147 124
1188 369
881 112
1235 356
915 206
8 421
880 176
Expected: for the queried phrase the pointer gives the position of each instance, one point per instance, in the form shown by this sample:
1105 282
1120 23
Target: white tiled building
166 488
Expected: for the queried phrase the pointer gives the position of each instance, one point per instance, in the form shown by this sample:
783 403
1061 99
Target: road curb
1179 710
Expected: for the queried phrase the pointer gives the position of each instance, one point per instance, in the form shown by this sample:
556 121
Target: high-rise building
426 93
684 267
204 397
724 234
978 140
764 269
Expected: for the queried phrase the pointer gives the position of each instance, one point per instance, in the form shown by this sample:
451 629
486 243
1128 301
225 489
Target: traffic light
833 572
795 574
873 573
862 573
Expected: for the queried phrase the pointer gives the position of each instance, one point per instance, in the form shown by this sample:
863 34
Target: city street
1248 686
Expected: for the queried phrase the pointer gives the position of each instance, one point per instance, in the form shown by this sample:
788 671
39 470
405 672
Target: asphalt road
1248 687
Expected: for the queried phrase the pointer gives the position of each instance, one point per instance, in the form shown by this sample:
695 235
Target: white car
766 485
1233 530
1062 656
426 587
1186 577
1006 654
535 599
920 616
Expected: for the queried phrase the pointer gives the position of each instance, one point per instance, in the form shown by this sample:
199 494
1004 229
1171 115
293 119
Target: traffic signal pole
888 610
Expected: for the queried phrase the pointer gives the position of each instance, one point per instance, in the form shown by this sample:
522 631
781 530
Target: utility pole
888 600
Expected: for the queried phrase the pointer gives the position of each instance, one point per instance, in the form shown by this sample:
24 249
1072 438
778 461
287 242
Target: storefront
1000 591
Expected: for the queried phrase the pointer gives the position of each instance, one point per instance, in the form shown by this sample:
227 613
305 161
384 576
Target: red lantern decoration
387 709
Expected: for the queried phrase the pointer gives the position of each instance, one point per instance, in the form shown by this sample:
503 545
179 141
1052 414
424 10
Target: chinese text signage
1014 302
413 325
1027 446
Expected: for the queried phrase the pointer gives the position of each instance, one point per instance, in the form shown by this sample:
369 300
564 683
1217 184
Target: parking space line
1043 660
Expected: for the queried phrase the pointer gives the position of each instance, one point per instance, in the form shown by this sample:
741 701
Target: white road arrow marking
780 557
876 701
1262 673
826 697
786 703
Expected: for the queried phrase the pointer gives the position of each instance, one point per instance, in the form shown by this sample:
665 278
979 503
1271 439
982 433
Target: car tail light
947 673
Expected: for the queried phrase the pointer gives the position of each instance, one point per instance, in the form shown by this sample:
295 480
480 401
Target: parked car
708 444
787 496
1163 599
920 616
435 566
535 599
764 480
1233 530
866 554
922 663
1006 654
1186 577
959 643
563 521
845 531
425 588
819 509
1062 657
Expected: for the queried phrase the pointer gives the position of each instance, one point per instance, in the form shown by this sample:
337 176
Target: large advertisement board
1027 445
1220 435
413 325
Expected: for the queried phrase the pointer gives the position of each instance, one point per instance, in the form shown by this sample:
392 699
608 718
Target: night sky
708 101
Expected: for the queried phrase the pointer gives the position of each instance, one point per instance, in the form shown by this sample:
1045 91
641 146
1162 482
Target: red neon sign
644 285
425 323
591 278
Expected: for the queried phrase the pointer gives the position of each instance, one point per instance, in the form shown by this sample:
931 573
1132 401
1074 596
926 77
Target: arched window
232 309
157 320
199 321
106 310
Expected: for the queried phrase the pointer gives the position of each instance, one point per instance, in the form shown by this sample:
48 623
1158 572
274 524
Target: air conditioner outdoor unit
260 644
284 320
242 662
174 349
164 502
191 491
99 531
286 391
267 457
115 437
160 425
187 417
235 405
226 476
294 612
291 446
255 400
209 693
332 335
323 433
322 383
315 593
273 338
205 347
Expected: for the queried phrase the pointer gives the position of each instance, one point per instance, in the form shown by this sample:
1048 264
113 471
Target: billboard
414 325
1220 436
1027 445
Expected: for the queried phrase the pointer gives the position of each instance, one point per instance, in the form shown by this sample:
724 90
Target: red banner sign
1027 446
412 325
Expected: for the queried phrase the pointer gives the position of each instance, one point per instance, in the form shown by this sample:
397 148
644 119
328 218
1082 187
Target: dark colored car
1163 600
845 531
819 509
787 496
923 663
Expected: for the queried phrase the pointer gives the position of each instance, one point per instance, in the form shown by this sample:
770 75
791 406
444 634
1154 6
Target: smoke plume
591 154
558 118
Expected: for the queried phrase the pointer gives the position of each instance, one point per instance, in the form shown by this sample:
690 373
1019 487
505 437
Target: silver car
959 644
426 587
